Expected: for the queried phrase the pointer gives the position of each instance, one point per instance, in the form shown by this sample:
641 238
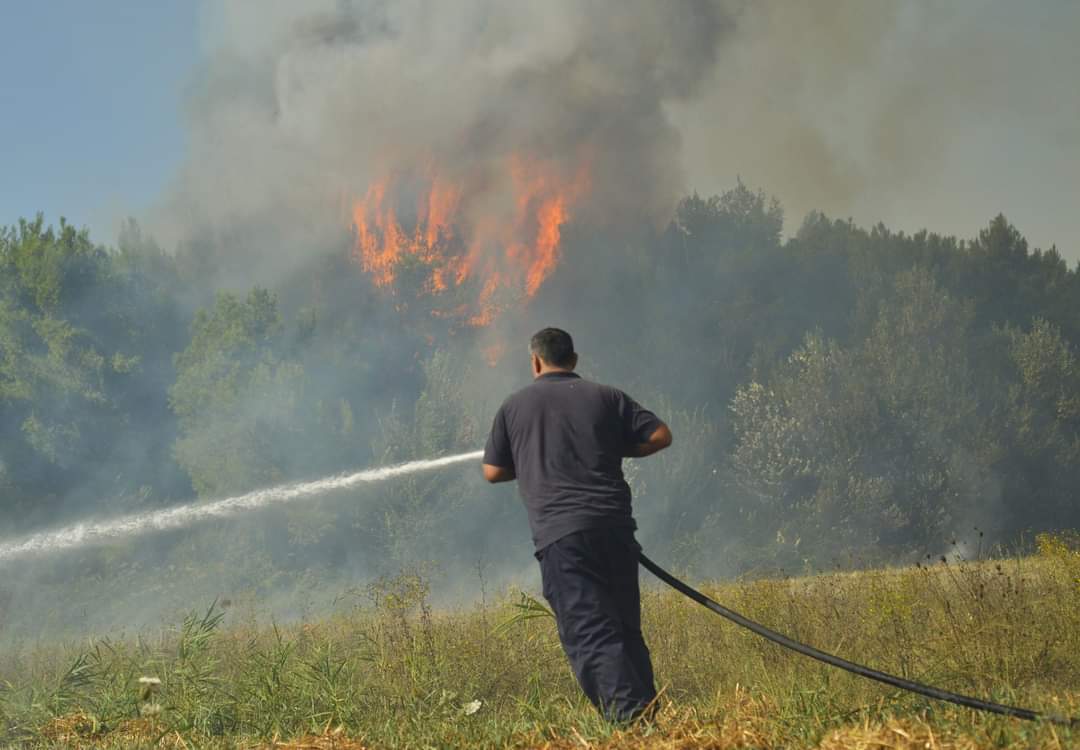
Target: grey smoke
922 114
300 106
917 114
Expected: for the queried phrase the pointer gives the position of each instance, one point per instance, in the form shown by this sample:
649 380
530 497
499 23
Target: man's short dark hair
554 346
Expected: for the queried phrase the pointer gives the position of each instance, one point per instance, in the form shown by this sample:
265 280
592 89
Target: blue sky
91 106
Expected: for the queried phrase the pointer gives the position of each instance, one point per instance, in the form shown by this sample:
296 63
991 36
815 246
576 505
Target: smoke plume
916 115
299 108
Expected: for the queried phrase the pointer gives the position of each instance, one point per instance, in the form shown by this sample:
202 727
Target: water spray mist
83 534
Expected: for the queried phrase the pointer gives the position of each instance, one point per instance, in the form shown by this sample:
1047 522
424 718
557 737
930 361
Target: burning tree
474 245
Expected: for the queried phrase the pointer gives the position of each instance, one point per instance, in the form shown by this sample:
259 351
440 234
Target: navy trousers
591 582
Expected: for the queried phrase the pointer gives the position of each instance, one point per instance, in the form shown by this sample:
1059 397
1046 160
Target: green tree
1043 428
237 396
423 515
83 366
879 444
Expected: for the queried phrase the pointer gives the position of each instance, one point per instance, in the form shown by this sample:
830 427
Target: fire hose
849 666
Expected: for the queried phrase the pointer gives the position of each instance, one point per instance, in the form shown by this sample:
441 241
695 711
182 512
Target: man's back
565 438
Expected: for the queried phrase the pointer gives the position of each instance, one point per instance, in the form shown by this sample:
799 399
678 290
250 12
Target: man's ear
536 364
573 361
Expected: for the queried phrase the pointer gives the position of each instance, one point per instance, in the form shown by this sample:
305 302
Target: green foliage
845 393
84 351
1043 426
235 395
883 443
47 360
740 218
421 513
1062 549
526 608
682 496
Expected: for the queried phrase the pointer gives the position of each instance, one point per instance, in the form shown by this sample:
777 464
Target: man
563 438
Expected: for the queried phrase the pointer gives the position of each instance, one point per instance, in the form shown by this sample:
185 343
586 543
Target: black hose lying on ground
836 661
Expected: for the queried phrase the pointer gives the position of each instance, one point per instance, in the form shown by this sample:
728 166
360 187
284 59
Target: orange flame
498 253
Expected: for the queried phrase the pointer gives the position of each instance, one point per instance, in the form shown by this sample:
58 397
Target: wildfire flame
460 243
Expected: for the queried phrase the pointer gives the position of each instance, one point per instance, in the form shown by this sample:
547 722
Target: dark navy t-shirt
565 438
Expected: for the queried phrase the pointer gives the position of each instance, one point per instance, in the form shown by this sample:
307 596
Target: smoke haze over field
397 194
915 115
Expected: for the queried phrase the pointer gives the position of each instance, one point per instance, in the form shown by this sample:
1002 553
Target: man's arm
658 440
498 463
496 474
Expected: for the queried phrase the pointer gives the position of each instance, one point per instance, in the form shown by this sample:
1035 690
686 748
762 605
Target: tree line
843 392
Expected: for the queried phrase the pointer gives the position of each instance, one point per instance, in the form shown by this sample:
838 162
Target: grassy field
391 672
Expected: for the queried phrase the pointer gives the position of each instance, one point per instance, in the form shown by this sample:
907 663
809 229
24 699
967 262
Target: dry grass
393 673
80 730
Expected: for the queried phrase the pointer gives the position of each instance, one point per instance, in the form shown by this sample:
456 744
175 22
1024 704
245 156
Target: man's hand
496 474
660 439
